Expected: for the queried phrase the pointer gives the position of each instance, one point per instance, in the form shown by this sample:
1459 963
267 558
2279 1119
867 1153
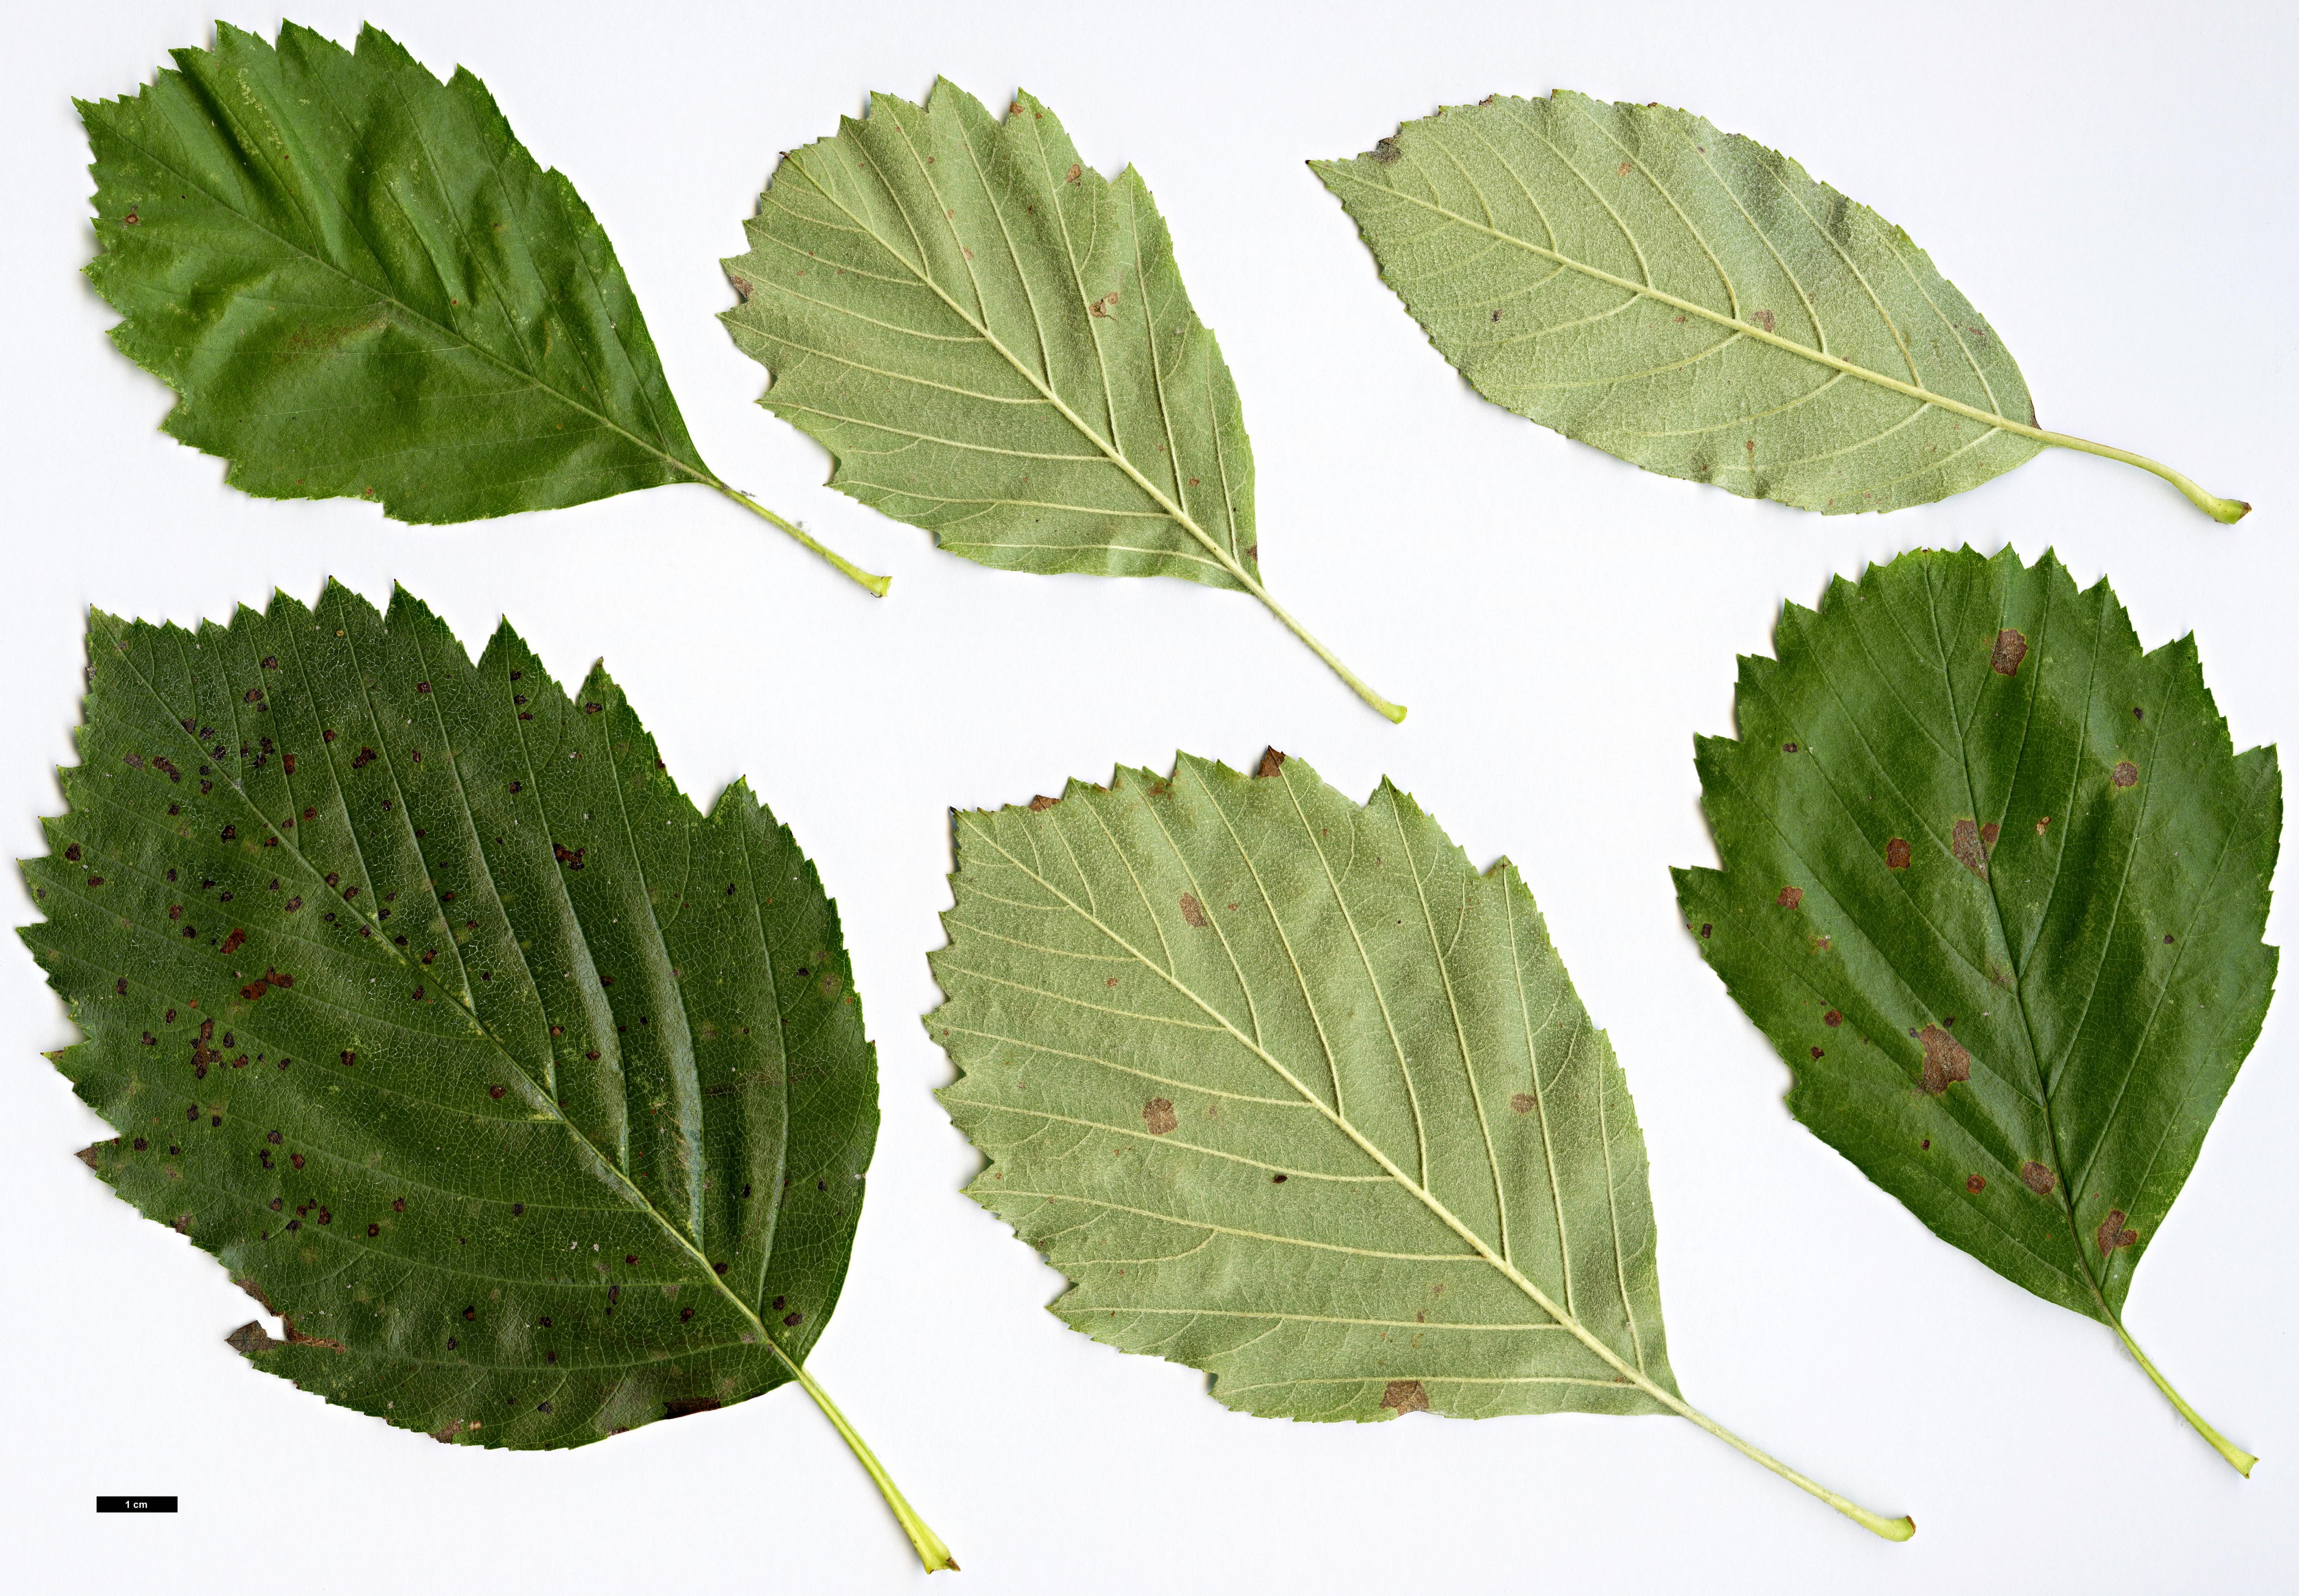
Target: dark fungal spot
2125 774
1975 1184
1832 1018
543 1407
1897 854
470 1313
71 852
1523 1103
1707 930
1278 1180
375 1230
793 1320
1790 898
518 1209
1193 912
2038 1179
1158 1115
2011 648
684 1314
1964 843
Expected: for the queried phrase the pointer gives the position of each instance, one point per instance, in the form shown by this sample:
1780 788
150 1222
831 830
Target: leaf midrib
1108 448
705 477
617 1178
1692 307
1479 1248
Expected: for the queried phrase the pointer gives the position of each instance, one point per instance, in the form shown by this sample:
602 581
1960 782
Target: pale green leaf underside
1637 280
1994 883
993 343
536 1101
1295 1096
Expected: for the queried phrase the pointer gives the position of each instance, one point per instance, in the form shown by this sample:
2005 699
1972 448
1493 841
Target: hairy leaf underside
993 341
1295 1096
1687 300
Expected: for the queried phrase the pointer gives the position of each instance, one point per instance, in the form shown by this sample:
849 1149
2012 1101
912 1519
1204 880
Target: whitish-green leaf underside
362 284
1995 884
535 1101
1695 303
993 343
1295 1096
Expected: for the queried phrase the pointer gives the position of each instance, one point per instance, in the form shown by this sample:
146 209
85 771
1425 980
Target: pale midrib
1477 1243
2067 1184
1744 329
1109 450
638 1199
532 380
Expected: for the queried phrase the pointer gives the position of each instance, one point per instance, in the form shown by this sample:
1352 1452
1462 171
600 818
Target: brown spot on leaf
1386 151
1626 167
679 1406
1945 1060
1964 843
1989 833
2038 1179
1975 1184
251 1338
1271 762
230 944
1524 1103
1194 912
1763 318
1832 1018
1074 173
1042 803
1896 854
2042 823
2011 648
2112 1234
1405 1396
1790 898
2125 774
1158 1115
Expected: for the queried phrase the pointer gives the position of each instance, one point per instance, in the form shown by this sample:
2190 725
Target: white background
2110 182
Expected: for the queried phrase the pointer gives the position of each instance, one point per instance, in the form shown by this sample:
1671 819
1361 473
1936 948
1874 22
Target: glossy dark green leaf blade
1994 883
534 1100
360 284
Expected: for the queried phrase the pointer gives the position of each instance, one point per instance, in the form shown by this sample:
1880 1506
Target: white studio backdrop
2110 183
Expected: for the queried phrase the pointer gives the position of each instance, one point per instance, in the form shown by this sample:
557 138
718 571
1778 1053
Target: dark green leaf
1995 884
534 1101
362 284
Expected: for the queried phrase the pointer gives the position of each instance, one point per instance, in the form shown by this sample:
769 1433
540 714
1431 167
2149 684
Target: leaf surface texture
1994 883
1695 303
1237 1048
360 284
536 1102
993 342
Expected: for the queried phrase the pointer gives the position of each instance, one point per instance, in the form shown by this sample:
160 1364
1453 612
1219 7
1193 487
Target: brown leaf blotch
1945 1060
1975 1184
1158 1115
1964 842
2038 1179
1790 898
1193 910
1271 760
1832 1018
1042 803
2112 1234
2125 774
1405 1396
1524 1103
251 1338
2011 648
1896 854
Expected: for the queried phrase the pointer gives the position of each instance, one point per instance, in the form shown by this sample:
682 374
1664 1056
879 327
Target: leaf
1294 1096
362 284
993 343
1994 883
1695 303
536 1103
